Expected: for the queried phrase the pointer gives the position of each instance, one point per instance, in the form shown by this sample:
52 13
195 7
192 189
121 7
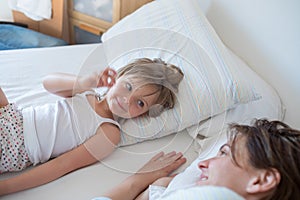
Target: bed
162 28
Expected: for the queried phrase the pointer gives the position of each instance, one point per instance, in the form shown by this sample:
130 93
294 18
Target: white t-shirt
53 129
193 193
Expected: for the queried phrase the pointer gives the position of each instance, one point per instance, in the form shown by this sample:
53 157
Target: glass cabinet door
101 9
97 16
89 19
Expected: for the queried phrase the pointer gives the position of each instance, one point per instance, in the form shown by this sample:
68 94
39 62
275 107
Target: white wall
5 12
265 33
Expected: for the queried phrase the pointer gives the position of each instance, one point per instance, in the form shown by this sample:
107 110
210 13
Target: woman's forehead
239 149
237 142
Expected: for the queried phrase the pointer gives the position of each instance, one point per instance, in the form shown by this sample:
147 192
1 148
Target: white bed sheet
21 75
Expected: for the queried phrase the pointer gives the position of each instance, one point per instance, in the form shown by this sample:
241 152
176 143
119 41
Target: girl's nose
126 99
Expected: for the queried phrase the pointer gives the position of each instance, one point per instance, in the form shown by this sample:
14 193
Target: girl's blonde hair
166 77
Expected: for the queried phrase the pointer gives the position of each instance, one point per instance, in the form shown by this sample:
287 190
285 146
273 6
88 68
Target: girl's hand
107 78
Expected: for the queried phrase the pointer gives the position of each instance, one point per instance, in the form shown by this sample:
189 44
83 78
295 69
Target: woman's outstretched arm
160 165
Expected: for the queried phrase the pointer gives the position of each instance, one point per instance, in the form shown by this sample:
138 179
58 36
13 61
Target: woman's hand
161 165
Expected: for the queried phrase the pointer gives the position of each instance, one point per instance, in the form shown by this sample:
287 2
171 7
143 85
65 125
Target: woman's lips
203 177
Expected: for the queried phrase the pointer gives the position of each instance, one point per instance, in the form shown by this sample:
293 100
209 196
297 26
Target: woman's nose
203 164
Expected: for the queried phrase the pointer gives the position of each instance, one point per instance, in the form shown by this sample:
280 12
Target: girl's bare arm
61 84
3 98
67 85
48 171
77 158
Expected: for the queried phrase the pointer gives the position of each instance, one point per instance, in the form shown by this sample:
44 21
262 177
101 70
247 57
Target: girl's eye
140 103
129 86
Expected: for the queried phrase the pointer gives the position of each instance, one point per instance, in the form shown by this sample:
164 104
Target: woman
258 162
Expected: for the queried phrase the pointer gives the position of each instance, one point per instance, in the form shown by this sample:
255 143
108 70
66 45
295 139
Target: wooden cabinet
81 21
57 26
89 19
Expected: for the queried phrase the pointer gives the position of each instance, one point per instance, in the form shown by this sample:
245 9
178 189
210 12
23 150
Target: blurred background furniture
80 21
88 20
17 36
57 26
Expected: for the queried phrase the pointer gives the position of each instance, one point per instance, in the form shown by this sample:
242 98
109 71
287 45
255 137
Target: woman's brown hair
272 145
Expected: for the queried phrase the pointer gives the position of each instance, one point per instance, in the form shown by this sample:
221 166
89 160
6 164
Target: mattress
22 72
21 76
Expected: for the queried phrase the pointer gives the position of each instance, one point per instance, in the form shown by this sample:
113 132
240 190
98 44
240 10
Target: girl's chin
120 115
126 117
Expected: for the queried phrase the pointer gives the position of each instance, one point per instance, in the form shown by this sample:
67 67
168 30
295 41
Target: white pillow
190 176
178 32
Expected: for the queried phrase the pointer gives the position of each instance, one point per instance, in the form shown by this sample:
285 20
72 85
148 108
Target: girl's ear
263 181
155 110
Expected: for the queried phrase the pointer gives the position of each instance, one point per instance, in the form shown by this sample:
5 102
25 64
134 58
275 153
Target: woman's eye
224 150
223 153
129 86
140 103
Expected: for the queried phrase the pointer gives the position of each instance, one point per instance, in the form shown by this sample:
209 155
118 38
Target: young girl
80 129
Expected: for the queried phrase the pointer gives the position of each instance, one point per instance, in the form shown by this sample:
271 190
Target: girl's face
128 99
222 171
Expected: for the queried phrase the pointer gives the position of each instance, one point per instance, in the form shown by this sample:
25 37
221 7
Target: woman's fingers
164 163
157 156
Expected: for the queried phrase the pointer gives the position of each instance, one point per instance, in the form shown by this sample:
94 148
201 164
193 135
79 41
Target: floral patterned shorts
13 156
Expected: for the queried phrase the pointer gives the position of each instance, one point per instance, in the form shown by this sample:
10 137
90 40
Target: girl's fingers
111 72
107 77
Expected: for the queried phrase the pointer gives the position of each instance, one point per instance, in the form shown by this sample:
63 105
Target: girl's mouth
120 105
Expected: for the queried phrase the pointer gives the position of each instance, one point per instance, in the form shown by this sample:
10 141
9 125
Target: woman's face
127 99
222 171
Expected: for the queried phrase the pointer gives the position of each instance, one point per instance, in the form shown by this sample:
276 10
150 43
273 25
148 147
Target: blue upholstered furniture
17 37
